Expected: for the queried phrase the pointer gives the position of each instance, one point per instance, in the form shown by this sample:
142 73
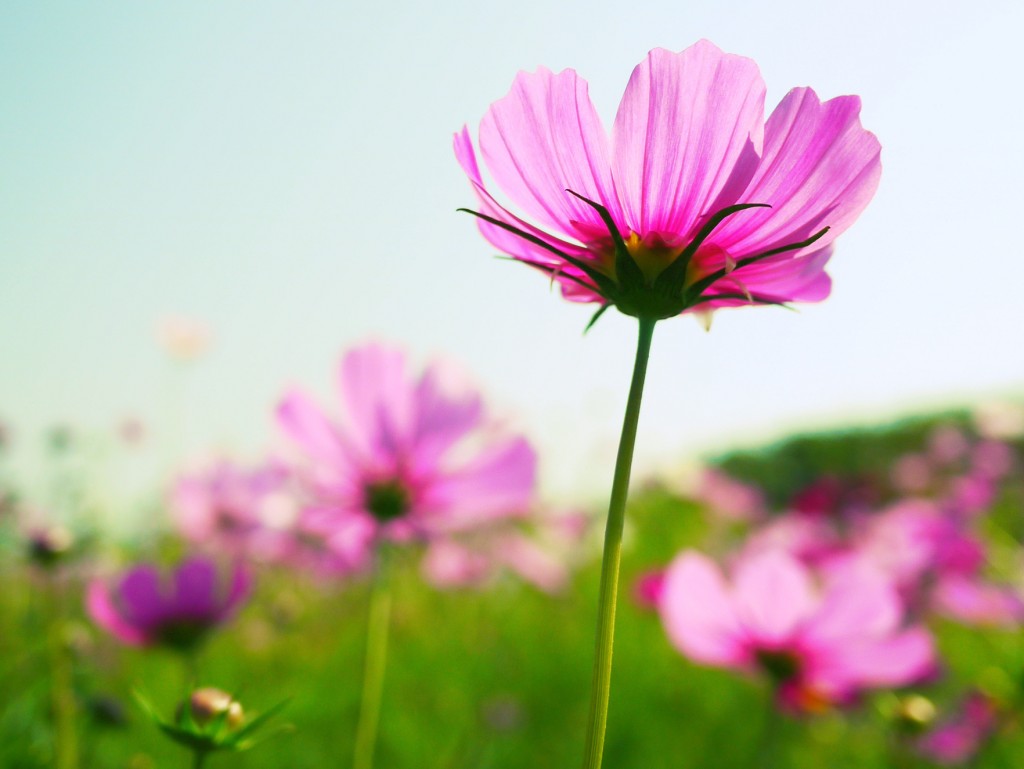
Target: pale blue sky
283 171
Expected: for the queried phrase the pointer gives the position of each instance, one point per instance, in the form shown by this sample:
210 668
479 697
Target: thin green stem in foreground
601 684
376 662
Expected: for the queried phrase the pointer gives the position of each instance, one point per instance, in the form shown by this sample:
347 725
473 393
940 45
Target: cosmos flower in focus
820 646
694 201
144 607
409 456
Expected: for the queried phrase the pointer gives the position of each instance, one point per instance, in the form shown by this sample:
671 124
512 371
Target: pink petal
687 137
377 394
898 660
531 562
497 482
856 605
515 246
104 612
543 138
304 423
446 409
819 168
448 564
773 596
698 612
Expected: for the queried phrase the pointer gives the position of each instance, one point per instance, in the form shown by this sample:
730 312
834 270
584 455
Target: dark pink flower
409 456
693 202
648 587
144 607
819 646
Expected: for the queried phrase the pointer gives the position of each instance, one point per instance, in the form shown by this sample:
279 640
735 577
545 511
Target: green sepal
673 277
700 286
604 283
597 315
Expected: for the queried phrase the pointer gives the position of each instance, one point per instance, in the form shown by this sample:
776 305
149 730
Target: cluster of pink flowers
830 596
408 457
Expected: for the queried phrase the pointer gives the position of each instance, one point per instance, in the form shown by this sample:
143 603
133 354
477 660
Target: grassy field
494 678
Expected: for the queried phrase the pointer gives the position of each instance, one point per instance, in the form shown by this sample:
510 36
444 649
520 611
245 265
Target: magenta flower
818 646
143 607
408 457
693 202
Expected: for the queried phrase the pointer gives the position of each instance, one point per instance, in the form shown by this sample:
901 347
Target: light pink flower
542 555
407 457
819 646
729 498
235 509
973 601
693 202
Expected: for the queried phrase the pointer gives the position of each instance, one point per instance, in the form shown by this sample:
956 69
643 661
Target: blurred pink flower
818 646
694 202
947 444
542 556
142 607
972 601
648 587
409 457
958 739
729 498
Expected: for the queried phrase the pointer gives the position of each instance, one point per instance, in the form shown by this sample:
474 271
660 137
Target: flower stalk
601 682
377 626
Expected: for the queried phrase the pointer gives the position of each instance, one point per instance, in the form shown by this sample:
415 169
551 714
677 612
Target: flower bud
208 703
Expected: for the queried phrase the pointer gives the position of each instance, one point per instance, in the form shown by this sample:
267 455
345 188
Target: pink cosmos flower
819 646
143 607
408 457
693 202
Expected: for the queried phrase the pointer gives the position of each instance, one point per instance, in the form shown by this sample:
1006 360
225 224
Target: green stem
62 693
601 683
375 664
198 759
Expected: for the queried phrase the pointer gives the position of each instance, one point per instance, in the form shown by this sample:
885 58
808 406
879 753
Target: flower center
780 664
651 255
386 500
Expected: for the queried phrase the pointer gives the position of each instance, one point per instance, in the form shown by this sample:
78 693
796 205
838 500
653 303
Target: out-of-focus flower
819 647
973 601
131 430
411 457
695 202
182 338
143 607
236 510
947 444
648 587
48 545
957 739
729 498
911 474
542 556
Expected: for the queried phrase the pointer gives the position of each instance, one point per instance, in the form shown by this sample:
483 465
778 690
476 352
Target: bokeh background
283 173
